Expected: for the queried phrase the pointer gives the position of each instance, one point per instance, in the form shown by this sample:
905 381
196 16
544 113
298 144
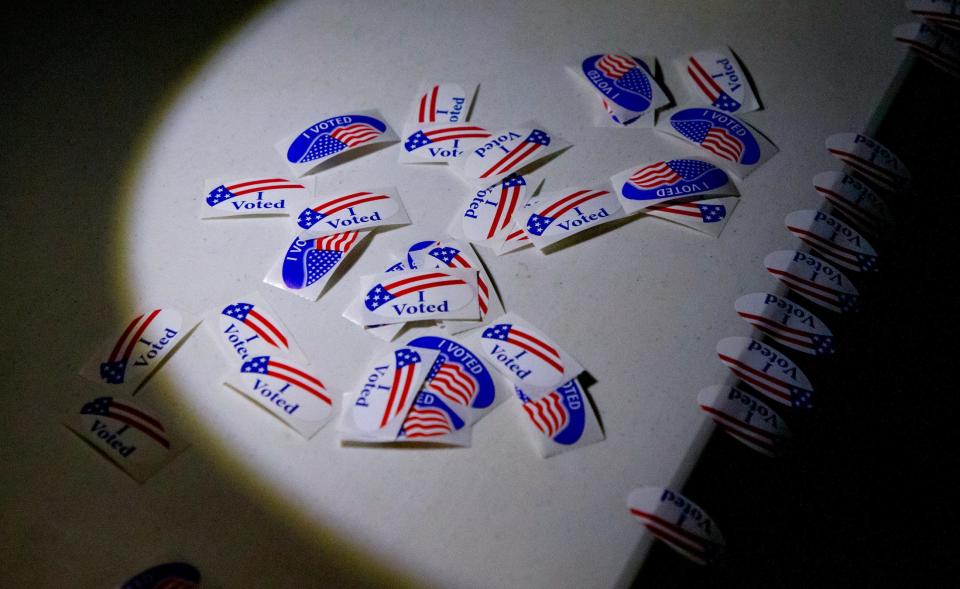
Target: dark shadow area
867 497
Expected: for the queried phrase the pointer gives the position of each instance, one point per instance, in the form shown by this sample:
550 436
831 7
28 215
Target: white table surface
251 503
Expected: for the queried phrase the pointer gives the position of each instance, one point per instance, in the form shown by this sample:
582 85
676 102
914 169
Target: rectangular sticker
443 102
560 420
708 216
253 195
328 213
508 151
439 143
414 295
247 327
556 216
307 265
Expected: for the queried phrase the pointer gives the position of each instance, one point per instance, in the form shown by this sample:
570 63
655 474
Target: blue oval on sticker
308 261
621 79
560 414
333 135
719 133
680 178
458 375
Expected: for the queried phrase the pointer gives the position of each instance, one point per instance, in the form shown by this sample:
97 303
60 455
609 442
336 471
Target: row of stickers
432 389
937 38
815 275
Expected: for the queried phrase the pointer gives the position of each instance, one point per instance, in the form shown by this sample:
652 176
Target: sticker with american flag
745 417
524 354
853 199
268 194
556 216
138 436
833 239
140 345
171 575
679 522
725 140
786 322
941 13
451 253
813 279
415 295
625 85
508 151
716 77
938 47
766 370
443 102
386 332
338 211
386 392
515 237
308 264
869 159
331 137
708 216
440 142
488 216
649 184
432 420
288 390
247 327
559 420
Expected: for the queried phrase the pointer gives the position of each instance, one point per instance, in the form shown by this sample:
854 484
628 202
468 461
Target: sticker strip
767 370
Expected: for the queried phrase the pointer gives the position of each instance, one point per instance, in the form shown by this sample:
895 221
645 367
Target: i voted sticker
386 332
387 391
942 13
525 355
557 216
488 217
940 49
308 264
717 78
247 327
414 295
333 136
786 322
854 199
126 361
746 418
508 151
625 84
679 522
870 159
171 575
431 419
650 184
561 419
351 211
833 239
459 377
135 435
767 370
731 143
261 195
708 216
440 142
287 390
814 279
446 102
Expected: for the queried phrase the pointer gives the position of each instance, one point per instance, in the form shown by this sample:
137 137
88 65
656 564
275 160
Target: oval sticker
341 212
491 209
620 79
767 370
721 134
745 418
570 213
459 375
331 136
526 354
717 77
854 199
679 522
833 239
388 391
679 178
419 293
869 158
507 152
813 279
786 322
307 261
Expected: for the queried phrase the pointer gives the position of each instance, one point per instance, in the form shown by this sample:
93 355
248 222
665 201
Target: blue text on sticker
719 133
307 261
458 375
560 415
333 135
680 178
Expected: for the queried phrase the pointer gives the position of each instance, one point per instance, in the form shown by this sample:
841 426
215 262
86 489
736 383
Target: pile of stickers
936 38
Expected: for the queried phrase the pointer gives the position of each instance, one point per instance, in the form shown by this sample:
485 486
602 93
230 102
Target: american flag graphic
519 154
751 435
628 74
519 235
669 172
222 193
844 256
406 361
318 257
310 217
673 534
714 93
426 422
452 257
526 341
834 299
704 212
260 324
537 223
289 374
777 389
428 112
339 139
868 170
382 294
113 370
547 413
446 133
865 218
129 416
716 140
509 198
450 381
811 343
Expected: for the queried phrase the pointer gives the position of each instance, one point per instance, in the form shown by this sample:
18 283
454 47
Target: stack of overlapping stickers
935 38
